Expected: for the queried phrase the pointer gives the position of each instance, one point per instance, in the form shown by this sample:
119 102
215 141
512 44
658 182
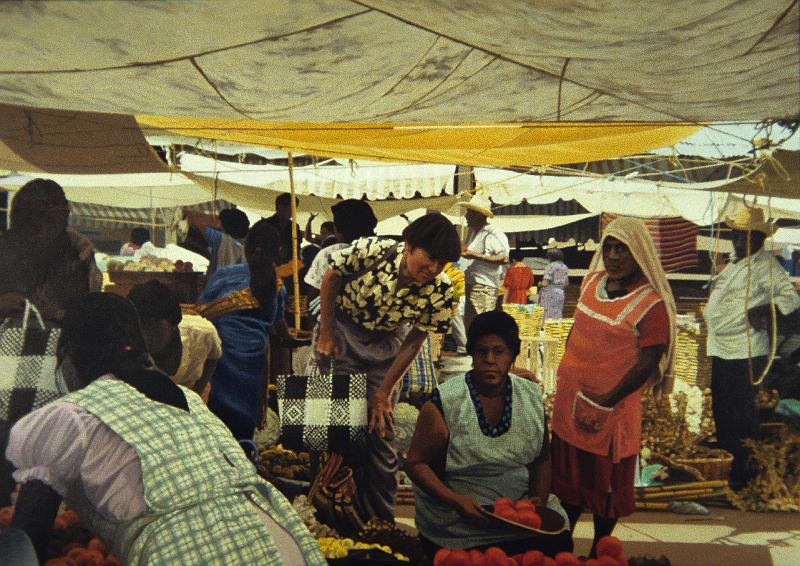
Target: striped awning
675 240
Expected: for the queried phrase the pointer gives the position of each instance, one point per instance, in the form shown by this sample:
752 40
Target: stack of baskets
558 328
692 365
528 317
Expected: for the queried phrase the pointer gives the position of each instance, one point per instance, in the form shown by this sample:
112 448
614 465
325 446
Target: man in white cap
738 316
487 250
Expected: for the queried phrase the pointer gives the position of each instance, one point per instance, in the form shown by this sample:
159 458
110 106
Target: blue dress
239 378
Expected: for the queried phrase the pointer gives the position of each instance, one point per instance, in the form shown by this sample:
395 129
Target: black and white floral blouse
373 301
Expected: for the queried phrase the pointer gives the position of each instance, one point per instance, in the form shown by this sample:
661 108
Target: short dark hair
329 226
140 235
285 199
500 324
354 219
155 301
516 255
435 234
234 222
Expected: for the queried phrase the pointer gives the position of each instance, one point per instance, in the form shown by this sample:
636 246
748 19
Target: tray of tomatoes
524 515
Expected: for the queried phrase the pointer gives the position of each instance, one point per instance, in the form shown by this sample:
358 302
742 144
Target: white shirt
725 316
86 454
488 241
320 265
201 343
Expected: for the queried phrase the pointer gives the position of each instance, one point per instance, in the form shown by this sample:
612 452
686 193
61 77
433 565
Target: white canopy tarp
412 61
363 178
130 190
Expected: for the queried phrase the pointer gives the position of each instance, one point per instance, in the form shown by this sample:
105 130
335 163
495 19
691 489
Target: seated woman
126 457
478 439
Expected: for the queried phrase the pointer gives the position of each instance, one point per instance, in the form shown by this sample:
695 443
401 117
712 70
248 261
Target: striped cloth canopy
675 240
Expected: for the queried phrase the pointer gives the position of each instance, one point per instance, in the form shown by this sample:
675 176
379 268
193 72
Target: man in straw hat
487 250
739 324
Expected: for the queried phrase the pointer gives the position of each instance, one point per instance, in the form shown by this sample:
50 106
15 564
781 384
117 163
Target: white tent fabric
417 60
133 190
365 178
700 204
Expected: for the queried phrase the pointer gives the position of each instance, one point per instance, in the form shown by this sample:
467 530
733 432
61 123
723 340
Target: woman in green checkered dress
128 447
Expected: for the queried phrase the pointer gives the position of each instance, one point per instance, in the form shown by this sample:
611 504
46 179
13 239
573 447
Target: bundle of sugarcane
689 491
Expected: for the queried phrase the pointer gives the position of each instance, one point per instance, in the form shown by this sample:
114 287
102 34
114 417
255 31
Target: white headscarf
634 234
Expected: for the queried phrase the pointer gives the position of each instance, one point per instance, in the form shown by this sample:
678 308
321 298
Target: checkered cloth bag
27 364
324 412
420 379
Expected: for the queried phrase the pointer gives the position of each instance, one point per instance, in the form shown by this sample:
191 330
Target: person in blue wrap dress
238 381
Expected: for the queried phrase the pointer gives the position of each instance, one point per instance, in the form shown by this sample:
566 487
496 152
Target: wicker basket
711 467
692 365
528 317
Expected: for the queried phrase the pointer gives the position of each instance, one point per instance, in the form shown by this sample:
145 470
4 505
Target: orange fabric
602 347
517 280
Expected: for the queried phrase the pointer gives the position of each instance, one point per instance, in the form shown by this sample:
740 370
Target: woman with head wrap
622 339
378 301
49 265
142 461
480 438
551 288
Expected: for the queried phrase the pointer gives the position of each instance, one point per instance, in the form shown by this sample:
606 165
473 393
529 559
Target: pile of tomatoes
522 511
70 544
609 553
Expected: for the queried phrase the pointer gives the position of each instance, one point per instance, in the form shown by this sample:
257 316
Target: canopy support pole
295 265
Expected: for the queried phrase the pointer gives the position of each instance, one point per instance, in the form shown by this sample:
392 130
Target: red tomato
98 545
524 504
518 559
458 557
495 556
530 518
6 516
477 558
567 559
609 546
533 558
507 513
607 561
70 518
440 558
500 501
111 560
592 562
622 561
547 561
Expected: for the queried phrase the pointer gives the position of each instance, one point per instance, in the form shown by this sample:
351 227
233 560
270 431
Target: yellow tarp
498 145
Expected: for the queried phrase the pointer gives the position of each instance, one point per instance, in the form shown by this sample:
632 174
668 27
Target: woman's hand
81 243
326 344
469 510
381 416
